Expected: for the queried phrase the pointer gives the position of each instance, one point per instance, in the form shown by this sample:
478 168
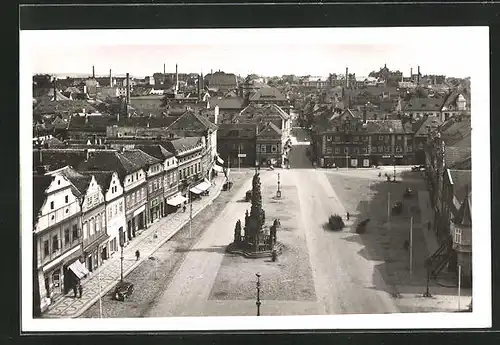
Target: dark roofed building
384 126
156 151
109 160
418 107
234 138
103 178
454 155
232 103
267 95
221 81
182 145
63 107
141 158
53 159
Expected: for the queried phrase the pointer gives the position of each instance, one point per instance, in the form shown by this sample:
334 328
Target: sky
446 50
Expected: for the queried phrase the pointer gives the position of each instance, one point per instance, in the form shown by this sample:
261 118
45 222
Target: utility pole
411 245
239 163
389 207
122 243
258 294
459 283
100 297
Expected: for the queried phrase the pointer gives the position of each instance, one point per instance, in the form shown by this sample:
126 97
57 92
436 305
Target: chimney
128 90
93 72
176 79
110 79
199 88
164 70
55 90
411 72
418 75
347 77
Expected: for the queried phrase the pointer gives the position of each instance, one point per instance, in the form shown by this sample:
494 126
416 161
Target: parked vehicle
123 290
397 208
408 193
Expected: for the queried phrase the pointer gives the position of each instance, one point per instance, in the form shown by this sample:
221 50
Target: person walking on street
137 254
80 290
184 208
348 216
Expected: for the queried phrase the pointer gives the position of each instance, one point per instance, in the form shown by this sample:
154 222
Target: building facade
56 235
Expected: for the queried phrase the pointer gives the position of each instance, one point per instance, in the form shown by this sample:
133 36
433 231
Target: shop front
92 252
175 202
56 282
136 221
155 209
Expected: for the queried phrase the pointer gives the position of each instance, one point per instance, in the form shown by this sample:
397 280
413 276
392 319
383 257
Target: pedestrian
74 289
137 254
379 174
348 216
184 208
80 290
155 235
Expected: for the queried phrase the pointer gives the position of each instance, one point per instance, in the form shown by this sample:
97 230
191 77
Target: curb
106 289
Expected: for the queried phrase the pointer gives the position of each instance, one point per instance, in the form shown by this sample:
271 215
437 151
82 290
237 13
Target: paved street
343 279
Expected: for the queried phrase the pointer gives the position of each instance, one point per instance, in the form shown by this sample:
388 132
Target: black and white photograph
229 179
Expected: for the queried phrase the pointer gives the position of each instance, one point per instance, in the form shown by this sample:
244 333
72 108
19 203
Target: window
66 236
399 137
355 138
380 149
51 205
263 148
374 149
66 199
365 138
409 148
55 243
458 236
92 227
346 150
116 209
75 232
45 248
380 137
89 201
151 187
274 148
355 150
337 150
328 150
120 206
399 149
96 199
364 150
337 138
328 138
387 149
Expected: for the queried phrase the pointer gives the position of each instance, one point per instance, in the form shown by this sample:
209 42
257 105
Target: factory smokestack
110 79
55 89
164 69
93 72
346 77
128 91
418 75
176 79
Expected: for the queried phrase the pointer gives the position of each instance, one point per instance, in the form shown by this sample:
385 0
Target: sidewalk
108 274
426 216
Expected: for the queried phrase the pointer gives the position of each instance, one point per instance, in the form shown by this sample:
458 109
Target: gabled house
57 242
188 152
153 167
112 189
263 113
235 139
270 145
171 197
191 124
93 216
133 179
461 233
419 107
455 103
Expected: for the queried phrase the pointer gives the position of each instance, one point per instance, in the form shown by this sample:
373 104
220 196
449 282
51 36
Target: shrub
336 222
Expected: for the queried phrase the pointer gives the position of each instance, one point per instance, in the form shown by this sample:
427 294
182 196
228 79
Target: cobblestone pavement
152 277
107 275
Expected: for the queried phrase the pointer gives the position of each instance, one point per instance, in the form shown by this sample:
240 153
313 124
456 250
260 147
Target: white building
56 236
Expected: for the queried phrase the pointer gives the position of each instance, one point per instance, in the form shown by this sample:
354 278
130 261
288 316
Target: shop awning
220 160
176 200
218 168
204 185
79 269
195 190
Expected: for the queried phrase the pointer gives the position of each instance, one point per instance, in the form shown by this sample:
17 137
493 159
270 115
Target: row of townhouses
85 198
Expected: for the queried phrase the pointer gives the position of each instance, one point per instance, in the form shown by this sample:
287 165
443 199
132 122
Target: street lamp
278 192
258 293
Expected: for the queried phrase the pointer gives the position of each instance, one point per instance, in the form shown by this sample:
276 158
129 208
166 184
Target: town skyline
319 52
